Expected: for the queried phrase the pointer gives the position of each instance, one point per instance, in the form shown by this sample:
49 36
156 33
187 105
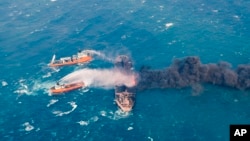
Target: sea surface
152 33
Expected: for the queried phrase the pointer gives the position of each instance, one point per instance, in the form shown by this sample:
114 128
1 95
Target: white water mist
104 78
100 54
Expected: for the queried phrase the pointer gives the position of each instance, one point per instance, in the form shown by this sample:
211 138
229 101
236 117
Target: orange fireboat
81 57
62 88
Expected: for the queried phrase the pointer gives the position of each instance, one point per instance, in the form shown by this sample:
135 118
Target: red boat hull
72 62
66 88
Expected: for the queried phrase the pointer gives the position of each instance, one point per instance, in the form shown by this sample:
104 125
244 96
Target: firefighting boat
81 57
62 88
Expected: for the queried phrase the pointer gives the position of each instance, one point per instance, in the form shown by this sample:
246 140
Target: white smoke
100 54
105 78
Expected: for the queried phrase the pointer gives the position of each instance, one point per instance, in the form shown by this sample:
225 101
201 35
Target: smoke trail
106 78
190 71
101 55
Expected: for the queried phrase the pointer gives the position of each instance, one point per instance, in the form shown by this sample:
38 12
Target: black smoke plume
190 72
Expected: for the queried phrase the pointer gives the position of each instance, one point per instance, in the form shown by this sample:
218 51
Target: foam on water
150 138
61 113
23 88
118 114
55 69
33 87
236 17
94 119
47 75
168 25
28 126
44 86
130 128
121 114
4 83
37 30
87 122
103 113
215 10
83 123
84 90
51 102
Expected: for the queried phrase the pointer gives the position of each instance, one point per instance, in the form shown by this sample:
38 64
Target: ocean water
152 33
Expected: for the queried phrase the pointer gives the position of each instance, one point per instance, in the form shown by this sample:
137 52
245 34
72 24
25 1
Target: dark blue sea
152 33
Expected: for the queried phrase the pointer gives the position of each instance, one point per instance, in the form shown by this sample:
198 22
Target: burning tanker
124 95
185 72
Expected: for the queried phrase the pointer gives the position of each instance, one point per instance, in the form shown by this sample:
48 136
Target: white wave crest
115 115
4 83
168 25
51 102
61 113
85 123
28 126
